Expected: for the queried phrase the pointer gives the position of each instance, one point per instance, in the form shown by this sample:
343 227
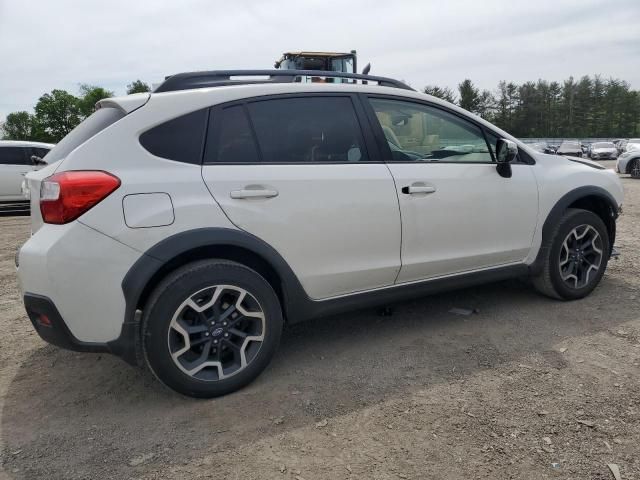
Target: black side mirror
506 152
36 160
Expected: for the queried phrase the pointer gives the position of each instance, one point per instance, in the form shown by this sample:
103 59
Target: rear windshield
92 125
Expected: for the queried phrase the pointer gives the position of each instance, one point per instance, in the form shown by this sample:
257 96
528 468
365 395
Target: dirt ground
526 388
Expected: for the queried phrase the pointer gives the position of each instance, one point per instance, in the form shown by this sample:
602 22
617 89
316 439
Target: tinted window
311 129
13 156
95 123
418 132
179 139
235 143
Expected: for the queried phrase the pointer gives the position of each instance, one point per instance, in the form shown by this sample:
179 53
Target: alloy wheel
580 256
216 332
635 169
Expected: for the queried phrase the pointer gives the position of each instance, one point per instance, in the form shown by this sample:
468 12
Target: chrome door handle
248 193
413 189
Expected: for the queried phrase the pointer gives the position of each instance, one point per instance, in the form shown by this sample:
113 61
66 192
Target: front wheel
210 328
635 169
575 256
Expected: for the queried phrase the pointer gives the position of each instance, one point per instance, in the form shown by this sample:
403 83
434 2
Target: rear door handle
250 193
413 189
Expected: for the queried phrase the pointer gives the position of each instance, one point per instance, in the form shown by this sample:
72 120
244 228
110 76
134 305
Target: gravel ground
526 388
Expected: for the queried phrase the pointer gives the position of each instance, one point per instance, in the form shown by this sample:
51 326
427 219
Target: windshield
603 145
570 145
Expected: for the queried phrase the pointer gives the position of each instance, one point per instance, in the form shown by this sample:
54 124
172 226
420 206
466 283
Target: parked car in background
570 148
298 200
538 146
629 163
16 160
603 151
632 144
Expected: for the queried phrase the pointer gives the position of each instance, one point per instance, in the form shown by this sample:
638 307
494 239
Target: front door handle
413 189
250 193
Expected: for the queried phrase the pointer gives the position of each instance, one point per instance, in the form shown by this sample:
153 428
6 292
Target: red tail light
67 195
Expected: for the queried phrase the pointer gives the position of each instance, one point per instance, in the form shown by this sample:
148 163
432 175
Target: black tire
181 286
550 282
634 168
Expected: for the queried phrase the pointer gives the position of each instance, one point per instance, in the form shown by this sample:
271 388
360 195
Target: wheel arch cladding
185 247
591 198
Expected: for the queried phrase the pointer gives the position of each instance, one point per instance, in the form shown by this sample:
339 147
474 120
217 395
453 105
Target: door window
308 130
416 132
13 156
236 143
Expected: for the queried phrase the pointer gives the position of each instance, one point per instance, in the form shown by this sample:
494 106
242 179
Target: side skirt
305 309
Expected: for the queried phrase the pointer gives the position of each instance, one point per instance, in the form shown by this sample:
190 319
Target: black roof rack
216 78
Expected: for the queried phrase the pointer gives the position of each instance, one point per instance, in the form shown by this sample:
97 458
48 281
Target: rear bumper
51 327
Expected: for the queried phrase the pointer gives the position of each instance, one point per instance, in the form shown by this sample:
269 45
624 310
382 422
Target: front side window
416 132
308 130
13 156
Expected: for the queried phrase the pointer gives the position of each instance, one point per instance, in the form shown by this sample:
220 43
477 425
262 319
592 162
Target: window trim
366 136
384 147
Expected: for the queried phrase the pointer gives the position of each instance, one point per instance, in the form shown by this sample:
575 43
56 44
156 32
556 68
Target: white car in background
16 160
603 151
633 144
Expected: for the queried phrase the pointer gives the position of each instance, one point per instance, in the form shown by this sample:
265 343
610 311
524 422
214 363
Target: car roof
25 143
185 101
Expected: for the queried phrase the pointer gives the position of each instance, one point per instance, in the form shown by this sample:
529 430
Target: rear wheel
211 327
575 256
634 170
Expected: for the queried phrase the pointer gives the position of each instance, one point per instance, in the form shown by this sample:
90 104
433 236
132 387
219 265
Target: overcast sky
47 44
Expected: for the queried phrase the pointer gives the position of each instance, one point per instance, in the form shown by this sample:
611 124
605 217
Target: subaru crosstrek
183 228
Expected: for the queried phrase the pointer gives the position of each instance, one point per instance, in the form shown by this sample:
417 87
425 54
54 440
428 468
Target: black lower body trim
52 328
304 308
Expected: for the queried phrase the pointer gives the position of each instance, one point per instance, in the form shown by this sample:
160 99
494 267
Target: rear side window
92 125
180 139
13 156
308 130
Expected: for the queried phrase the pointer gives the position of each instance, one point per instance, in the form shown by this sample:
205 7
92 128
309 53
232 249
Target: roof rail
216 78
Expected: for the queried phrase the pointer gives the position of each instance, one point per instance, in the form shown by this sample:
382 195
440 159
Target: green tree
445 93
58 113
469 96
18 126
137 86
89 96
486 105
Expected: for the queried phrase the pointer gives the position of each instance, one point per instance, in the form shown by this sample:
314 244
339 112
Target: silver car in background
603 151
629 161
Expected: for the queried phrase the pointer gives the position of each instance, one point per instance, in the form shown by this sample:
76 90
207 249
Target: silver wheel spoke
216 332
580 256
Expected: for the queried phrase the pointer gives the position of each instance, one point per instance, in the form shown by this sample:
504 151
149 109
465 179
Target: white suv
184 228
16 160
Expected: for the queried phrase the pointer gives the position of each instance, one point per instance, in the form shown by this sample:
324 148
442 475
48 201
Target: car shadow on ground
108 412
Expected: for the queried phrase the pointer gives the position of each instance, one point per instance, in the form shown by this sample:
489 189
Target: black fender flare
559 208
127 345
